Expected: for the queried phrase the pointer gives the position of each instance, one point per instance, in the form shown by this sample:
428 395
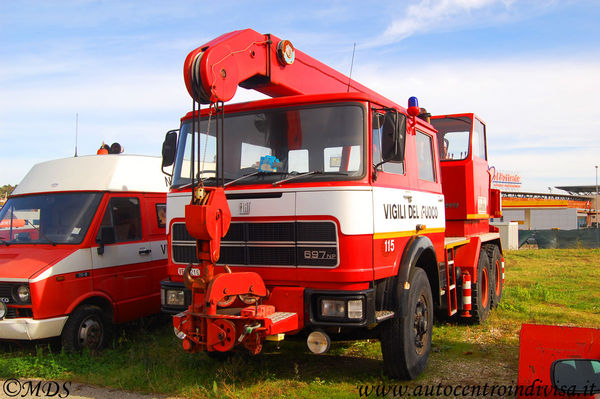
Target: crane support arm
263 63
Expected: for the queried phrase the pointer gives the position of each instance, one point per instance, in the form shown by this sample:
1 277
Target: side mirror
169 149
392 136
107 236
573 376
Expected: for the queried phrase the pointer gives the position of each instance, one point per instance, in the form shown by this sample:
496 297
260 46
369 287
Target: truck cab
82 246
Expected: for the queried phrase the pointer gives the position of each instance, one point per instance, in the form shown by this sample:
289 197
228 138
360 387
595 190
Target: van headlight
23 294
3 310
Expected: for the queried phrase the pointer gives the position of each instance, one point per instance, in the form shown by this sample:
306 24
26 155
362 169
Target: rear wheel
482 290
87 327
496 270
406 341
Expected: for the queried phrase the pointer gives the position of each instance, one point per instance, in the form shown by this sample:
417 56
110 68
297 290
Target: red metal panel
540 345
467 257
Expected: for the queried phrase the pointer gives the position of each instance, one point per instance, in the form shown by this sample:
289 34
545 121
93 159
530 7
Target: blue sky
530 69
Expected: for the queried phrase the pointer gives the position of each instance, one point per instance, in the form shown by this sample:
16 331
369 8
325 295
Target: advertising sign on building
505 180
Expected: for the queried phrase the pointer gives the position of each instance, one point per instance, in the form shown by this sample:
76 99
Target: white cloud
428 16
541 115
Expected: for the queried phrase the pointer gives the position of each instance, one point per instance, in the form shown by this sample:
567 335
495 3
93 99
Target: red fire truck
327 209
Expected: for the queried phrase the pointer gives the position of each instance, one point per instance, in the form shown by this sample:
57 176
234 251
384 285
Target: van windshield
48 218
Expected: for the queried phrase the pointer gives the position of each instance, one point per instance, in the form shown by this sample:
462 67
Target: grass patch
542 286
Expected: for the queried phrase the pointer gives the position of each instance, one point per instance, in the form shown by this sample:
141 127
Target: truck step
279 316
382 315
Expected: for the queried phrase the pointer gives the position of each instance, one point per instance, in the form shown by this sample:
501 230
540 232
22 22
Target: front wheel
406 341
87 327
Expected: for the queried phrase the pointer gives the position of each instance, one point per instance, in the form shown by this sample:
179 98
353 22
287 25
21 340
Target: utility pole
596 196
77 128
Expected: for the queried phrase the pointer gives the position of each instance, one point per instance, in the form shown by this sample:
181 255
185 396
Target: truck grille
6 292
300 243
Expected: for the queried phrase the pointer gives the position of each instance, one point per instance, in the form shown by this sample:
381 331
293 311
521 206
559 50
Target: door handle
144 251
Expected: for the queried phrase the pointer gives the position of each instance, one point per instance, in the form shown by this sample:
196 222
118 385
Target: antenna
351 65
76 128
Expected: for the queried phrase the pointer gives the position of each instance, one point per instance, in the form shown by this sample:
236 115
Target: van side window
123 214
161 215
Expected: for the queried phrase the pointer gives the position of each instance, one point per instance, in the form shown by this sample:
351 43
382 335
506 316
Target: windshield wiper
314 172
257 173
4 242
242 178
40 232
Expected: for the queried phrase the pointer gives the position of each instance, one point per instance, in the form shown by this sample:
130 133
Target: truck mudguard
415 248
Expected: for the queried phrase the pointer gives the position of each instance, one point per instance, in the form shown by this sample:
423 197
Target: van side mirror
169 149
573 376
392 136
107 236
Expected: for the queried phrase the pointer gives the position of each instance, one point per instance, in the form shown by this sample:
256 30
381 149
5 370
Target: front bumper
30 329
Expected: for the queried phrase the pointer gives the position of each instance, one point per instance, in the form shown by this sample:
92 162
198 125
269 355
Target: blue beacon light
413 107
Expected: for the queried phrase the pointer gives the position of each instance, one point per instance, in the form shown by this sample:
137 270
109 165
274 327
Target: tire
86 328
406 341
481 292
497 285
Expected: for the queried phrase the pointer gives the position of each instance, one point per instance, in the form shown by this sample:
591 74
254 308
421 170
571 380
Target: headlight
23 294
175 298
355 309
3 310
351 309
333 308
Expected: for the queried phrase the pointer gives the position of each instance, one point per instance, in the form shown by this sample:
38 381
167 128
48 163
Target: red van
82 246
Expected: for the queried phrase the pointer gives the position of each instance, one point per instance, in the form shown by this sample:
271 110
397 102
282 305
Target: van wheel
482 293
406 341
496 268
87 327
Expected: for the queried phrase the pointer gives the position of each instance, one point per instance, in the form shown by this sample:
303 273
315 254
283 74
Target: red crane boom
264 63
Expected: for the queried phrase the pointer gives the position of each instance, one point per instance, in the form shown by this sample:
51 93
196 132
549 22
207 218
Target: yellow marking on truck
398 234
478 216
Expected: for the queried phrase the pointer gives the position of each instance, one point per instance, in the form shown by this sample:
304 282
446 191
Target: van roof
95 173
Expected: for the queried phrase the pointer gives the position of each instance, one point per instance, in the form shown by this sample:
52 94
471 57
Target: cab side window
123 215
381 133
479 140
425 157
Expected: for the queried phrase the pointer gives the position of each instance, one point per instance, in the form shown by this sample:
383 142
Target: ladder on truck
450 288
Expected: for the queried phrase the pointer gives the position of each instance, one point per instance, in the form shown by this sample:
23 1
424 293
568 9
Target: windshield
453 137
48 218
327 141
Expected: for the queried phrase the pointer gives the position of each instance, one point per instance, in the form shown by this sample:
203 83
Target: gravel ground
24 388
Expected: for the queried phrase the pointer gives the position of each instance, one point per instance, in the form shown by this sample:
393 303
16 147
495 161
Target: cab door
122 269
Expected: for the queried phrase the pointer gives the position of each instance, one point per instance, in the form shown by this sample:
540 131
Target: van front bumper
30 329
